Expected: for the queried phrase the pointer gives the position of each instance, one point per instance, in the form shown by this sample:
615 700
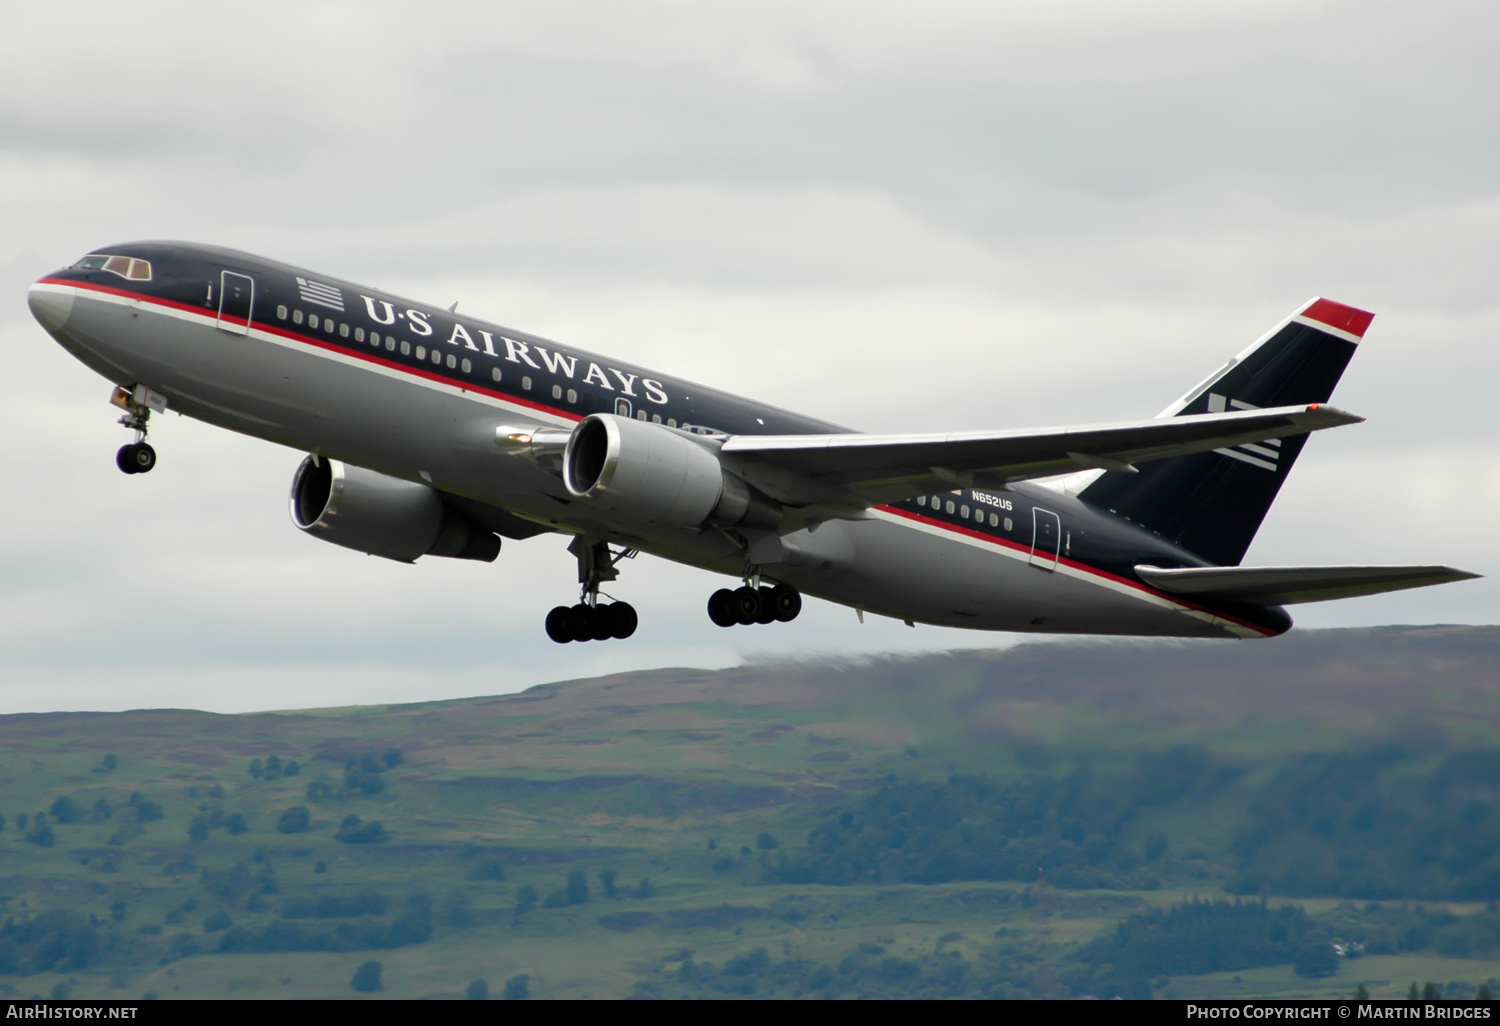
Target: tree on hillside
295 820
477 991
518 988
367 977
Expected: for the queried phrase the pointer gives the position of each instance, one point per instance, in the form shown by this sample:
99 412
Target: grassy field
171 867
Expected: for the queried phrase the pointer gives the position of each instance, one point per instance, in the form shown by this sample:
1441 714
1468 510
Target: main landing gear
751 604
591 620
137 457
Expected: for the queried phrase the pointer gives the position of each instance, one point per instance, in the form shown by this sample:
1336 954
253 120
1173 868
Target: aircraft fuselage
416 392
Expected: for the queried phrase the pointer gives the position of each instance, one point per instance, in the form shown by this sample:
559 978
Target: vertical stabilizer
1213 503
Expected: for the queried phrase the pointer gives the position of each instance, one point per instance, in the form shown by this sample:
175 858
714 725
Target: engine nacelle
384 516
659 475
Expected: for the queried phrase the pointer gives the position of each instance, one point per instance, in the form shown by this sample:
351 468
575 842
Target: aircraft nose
50 304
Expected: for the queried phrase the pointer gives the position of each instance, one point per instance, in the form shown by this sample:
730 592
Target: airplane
432 433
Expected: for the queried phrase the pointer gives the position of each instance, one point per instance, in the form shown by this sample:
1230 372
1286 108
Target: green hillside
1050 820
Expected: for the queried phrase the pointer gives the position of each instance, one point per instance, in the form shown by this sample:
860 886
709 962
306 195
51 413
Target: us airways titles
518 352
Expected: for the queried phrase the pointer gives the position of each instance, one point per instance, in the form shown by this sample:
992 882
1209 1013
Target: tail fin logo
1258 454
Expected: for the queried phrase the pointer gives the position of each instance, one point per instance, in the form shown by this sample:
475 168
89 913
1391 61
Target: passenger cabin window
281 313
526 382
390 343
343 330
557 391
328 325
921 500
312 320
656 418
421 352
405 348
950 506
572 395
359 334
296 316
495 374
453 362
994 520
466 366
130 268
1007 523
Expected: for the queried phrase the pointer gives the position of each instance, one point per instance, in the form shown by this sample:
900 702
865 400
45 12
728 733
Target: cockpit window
131 268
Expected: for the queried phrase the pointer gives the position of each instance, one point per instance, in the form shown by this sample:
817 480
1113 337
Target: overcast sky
894 216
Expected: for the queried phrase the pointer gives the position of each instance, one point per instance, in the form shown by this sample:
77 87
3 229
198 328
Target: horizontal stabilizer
1285 585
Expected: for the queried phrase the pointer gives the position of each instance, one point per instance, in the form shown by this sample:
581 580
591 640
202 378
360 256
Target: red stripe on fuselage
1071 564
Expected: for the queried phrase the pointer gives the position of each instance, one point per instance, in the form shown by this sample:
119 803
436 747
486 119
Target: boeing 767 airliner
430 433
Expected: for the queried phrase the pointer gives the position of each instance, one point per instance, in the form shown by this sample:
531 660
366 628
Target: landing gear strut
137 457
754 603
591 620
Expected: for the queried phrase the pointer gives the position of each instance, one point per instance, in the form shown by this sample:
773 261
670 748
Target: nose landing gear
138 457
591 620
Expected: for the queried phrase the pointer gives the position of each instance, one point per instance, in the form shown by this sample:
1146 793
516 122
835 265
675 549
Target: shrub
352 831
216 922
525 899
367 977
295 820
489 869
765 842
1316 960
66 810
237 825
517 988
477 991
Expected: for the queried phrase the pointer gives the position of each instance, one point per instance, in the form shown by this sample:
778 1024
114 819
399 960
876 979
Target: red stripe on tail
1337 315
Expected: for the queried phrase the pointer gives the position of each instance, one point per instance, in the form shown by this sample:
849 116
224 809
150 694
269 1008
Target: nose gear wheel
137 457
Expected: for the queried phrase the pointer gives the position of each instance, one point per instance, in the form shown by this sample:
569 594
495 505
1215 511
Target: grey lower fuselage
921 564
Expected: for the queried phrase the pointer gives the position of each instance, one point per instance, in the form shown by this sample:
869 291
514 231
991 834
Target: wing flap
887 468
1286 585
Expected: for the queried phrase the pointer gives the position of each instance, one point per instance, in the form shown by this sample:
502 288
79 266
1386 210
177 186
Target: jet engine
384 516
659 475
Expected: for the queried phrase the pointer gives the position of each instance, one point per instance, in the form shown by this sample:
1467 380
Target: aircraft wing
1284 585
863 470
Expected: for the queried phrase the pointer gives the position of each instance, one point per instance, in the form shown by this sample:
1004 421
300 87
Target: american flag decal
1259 454
323 295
